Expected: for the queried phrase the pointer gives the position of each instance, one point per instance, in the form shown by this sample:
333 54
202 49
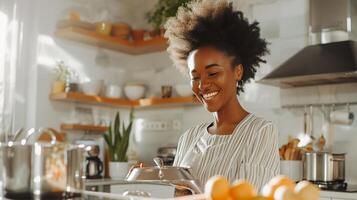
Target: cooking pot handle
136 193
337 159
37 133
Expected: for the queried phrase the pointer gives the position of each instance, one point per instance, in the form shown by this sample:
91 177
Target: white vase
118 170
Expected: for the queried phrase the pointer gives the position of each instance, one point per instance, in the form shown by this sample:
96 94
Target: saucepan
324 166
181 177
42 169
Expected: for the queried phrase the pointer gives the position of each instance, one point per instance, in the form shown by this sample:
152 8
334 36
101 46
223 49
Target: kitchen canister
292 169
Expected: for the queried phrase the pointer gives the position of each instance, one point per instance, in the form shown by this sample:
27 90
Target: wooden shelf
83 127
83 98
96 39
168 101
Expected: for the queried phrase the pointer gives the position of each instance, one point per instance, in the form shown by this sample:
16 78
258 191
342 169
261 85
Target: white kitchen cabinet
342 199
325 198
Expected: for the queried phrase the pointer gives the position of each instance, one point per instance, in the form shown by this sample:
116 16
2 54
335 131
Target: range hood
332 56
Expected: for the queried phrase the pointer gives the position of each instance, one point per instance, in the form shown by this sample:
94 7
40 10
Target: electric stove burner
331 185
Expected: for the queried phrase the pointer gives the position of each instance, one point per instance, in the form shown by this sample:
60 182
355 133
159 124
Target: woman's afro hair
215 23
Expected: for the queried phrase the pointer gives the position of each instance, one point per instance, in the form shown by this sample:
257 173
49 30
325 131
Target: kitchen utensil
179 176
92 87
166 91
17 133
113 91
40 169
307 137
94 166
292 169
103 27
121 30
324 166
71 87
321 142
134 91
138 34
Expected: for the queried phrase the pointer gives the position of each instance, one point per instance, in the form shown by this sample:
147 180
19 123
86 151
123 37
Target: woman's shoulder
195 131
259 127
259 123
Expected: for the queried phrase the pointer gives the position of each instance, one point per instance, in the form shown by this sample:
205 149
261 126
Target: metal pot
42 169
179 176
324 166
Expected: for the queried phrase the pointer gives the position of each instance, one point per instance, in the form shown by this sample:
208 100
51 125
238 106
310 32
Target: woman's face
213 80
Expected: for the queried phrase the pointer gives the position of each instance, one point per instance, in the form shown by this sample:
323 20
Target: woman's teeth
209 96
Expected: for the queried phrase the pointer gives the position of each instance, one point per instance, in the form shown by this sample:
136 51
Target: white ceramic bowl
183 90
134 92
92 87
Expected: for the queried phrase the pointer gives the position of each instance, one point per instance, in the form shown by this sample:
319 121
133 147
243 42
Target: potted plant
162 10
62 74
117 139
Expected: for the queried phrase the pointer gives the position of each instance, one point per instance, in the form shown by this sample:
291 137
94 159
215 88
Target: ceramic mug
113 91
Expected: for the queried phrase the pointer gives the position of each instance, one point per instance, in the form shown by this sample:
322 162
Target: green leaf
117 138
117 125
110 134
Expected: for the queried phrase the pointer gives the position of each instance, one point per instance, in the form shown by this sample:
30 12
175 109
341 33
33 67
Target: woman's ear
238 72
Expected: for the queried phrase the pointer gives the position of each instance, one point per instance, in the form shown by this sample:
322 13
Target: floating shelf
83 98
83 127
96 39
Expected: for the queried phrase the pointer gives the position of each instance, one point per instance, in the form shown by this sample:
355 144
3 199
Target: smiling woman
220 50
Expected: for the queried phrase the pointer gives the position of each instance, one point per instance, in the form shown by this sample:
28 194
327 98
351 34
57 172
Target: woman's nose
203 84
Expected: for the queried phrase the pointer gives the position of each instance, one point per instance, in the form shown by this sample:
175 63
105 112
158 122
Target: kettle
94 166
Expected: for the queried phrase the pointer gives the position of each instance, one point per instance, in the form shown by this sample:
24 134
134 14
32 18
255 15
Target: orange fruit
260 197
217 187
270 188
285 193
242 190
307 191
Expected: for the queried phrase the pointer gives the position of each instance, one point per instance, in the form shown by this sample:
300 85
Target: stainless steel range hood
332 56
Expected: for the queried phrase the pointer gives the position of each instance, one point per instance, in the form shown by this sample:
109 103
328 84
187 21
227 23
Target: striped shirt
250 152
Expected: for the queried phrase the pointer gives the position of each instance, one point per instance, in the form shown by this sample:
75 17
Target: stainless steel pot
42 169
179 176
324 166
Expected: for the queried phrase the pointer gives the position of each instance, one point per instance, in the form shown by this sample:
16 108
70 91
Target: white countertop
332 194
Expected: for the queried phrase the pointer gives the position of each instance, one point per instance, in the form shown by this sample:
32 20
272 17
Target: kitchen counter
340 195
104 181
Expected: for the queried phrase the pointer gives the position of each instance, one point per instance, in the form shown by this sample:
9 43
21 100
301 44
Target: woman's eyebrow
211 65
207 67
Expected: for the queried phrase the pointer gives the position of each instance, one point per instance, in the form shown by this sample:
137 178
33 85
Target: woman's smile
210 95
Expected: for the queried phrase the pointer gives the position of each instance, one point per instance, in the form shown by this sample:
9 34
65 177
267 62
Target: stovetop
336 186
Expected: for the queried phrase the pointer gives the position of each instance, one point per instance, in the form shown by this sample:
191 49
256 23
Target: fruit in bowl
183 90
134 91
